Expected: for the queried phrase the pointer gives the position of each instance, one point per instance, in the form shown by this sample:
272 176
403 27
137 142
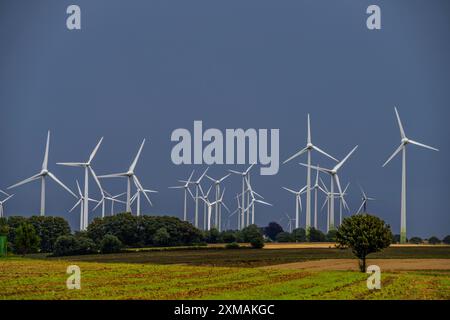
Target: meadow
219 274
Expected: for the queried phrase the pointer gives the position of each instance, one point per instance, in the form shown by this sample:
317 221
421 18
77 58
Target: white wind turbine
343 203
131 177
198 188
218 207
114 199
364 199
329 196
316 189
137 197
80 202
308 148
251 204
210 205
239 209
298 203
289 224
402 148
334 179
42 175
2 203
185 187
87 169
244 175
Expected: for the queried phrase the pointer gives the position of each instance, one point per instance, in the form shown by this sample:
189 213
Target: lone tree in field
364 234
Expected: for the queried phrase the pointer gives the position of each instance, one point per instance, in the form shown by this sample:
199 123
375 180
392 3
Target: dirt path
384 264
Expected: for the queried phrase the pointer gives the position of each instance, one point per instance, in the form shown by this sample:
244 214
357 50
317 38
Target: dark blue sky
144 68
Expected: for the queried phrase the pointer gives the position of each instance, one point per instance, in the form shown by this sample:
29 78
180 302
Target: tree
395 238
446 240
49 229
331 236
434 240
364 234
299 235
228 236
74 245
212 236
253 235
110 244
272 230
26 239
316 235
284 237
161 237
415 240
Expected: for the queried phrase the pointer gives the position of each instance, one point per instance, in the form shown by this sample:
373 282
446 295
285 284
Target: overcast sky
140 69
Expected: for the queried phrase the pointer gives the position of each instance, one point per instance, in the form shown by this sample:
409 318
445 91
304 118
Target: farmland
225 274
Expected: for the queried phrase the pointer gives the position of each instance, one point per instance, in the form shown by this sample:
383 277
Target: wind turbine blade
324 186
422 145
290 190
362 205
7 198
226 207
225 177
211 179
133 165
202 176
71 164
362 191
79 189
299 199
177 187
338 183
298 154
190 177
324 153
190 192
371 199
76 204
96 180
235 172
45 162
6 194
249 168
61 184
317 168
98 203
340 164
139 186
263 202
402 132
346 187
36 176
119 195
309 130
324 203
95 150
114 175
394 154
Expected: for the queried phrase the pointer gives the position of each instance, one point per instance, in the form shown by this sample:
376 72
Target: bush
212 236
228 236
257 243
110 244
316 235
331 236
233 245
253 235
272 230
446 240
49 229
415 240
434 240
162 237
284 237
73 245
299 235
26 239
364 234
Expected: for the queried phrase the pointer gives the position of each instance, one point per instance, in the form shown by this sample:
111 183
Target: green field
216 274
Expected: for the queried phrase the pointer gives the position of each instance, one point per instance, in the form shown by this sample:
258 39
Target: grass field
218 274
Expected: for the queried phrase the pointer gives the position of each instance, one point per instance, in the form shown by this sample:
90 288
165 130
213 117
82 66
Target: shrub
415 240
49 229
434 240
228 237
212 236
446 240
257 243
272 230
284 237
331 236
162 237
73 245
253 235
316 235
299 235
233 245
364 234
110 244
26 239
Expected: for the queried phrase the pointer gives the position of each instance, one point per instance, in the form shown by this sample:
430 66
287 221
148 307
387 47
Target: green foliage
110 244
49 229
14 222
415 240
4 227
135 231
233 245
299 235
272 230
74 245
446 240
331 236
284 237
161 237
316 235
395 238
364 234
253 235
434 240
228 236
26 239
212 236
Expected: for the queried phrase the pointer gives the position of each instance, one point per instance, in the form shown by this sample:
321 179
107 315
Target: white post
42 195
308 196
129 194
403 204
332 203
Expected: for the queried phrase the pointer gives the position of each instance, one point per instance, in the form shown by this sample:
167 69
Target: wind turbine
131 177
298 203
239 209
198 187
251 204
308 148
343 203
137 197
2 202
402 148
114 199
364 199
244 175
42 175
87 168
218 207
334 178
316 188
80 202
329 196
185 186
210 205
289 225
